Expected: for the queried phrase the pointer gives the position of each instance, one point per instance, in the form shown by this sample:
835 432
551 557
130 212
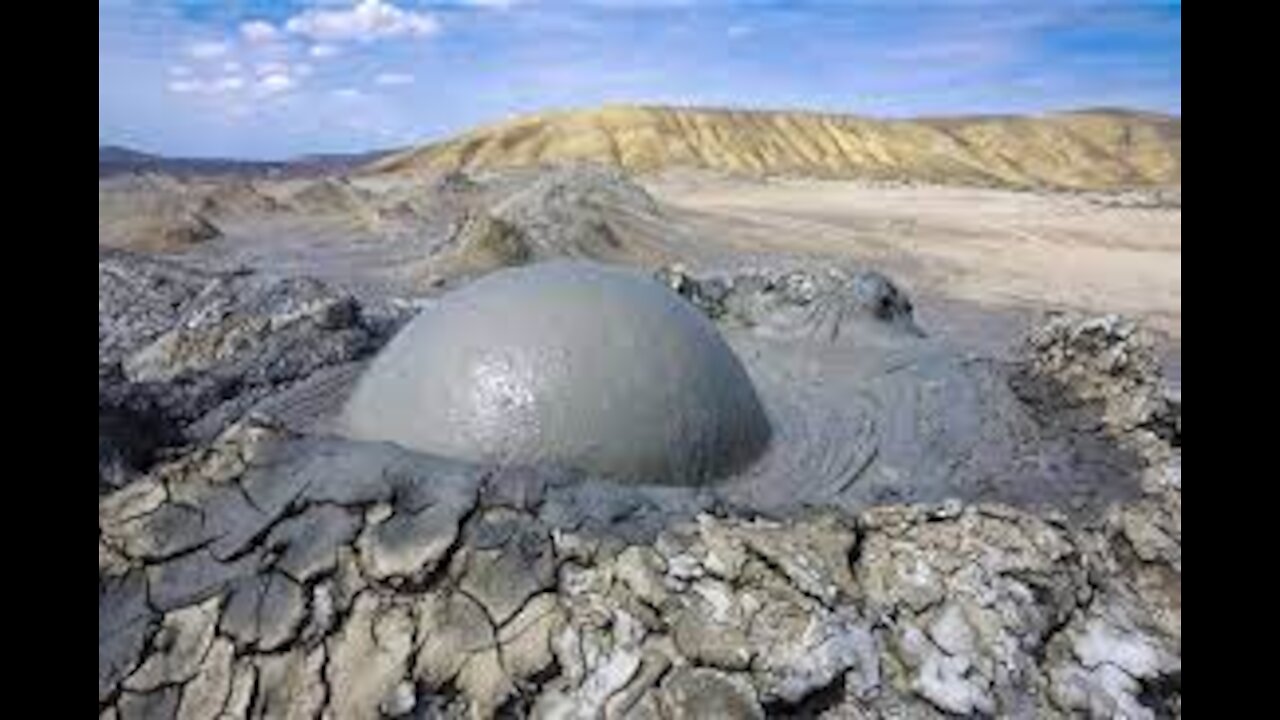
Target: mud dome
569 364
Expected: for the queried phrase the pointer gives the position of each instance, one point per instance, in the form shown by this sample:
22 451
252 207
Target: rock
507 560
944 678
369 657
712 626
265 611
453 628
642 568
689 693
1100 370
480 243
308 543
583 212
206 695
820 305
971 593
422 527
161 703
139 298
123 620
526 638
183 354
799 651
180 647
814 557
291 686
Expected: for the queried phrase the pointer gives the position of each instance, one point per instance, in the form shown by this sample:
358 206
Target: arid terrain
957 342
981 263
1087 149
1009 253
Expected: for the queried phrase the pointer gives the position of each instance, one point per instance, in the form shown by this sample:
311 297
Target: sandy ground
988 256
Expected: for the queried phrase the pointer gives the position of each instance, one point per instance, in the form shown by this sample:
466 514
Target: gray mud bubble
568 364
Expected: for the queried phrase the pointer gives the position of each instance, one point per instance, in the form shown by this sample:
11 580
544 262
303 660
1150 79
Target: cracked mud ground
250 565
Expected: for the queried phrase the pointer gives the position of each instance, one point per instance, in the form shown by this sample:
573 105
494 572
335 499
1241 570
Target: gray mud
932 530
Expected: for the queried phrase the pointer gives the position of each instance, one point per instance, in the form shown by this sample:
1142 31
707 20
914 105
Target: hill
1090 149
116 160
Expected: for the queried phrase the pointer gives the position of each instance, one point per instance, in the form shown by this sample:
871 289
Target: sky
278 79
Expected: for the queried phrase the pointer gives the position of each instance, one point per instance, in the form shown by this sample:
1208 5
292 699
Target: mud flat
932 529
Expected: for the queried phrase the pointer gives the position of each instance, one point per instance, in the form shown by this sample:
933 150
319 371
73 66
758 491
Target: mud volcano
569 364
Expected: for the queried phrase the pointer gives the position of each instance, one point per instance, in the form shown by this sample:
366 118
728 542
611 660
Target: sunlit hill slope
1086 149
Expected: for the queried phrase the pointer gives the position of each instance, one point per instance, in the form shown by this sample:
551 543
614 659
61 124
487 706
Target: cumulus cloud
275 83
367 20
212 86
323 50
392 78
231 66
184 86
207 50
259 31
347 94
179 71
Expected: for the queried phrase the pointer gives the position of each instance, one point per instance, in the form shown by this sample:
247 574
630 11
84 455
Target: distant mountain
117 154
115 160
1091 149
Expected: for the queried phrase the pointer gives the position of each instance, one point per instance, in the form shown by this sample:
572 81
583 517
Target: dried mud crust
184 353
274 574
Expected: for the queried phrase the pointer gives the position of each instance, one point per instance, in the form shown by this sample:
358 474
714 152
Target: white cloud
495 4
302 69
259 31
367 20
347 94
275 83
218 86
180 71
231 66
736 31
323 50
207 50
393 79
228 83
271 68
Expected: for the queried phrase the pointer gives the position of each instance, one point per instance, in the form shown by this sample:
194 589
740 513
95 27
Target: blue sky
251 78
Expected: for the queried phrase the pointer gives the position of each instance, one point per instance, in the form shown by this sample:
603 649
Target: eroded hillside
1090 149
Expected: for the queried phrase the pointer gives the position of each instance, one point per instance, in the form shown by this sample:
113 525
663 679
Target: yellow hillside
1092 149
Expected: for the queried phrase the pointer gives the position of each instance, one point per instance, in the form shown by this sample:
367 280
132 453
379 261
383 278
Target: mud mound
237 198
170 231
479 244
815 304
570 364
151 213
587 212
330 195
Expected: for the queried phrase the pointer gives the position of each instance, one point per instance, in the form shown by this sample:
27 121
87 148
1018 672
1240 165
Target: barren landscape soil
946 505
977 262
